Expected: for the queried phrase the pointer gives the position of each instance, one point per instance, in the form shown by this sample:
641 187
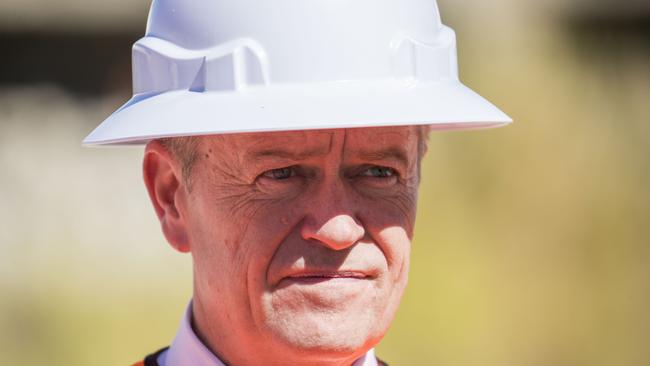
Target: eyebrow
391 153
285 154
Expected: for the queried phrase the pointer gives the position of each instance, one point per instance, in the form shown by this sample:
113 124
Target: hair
423 132
185 149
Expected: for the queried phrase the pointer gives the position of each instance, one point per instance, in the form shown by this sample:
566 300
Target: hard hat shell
224 66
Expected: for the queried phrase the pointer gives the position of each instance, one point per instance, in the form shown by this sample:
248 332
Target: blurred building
82 47
85 47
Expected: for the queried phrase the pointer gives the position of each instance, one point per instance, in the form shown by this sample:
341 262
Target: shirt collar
188 350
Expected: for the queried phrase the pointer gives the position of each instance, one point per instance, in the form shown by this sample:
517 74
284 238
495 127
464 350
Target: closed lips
322 274
325 275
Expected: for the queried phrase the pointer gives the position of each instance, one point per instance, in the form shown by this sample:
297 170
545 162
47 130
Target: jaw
316 323
319 339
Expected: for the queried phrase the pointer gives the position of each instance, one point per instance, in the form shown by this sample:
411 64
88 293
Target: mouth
310 277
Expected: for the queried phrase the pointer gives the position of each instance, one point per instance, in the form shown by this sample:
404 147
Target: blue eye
379 172
280 173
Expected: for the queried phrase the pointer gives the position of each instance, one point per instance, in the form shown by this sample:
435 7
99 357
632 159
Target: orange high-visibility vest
152 359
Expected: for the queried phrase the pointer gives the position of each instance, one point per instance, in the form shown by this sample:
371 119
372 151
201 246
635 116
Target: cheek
239 227
396 245
394 211
389 222
272 226
391 208
220 247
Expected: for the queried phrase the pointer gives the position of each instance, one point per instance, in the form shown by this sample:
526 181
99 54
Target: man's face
301 240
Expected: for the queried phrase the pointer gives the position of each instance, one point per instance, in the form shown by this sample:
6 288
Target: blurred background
533 241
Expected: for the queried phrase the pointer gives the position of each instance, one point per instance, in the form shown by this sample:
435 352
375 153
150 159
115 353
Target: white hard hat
227 66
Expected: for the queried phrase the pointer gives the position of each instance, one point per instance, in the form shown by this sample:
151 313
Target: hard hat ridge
435 61
233 65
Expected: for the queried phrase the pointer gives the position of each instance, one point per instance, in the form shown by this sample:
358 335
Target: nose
338 232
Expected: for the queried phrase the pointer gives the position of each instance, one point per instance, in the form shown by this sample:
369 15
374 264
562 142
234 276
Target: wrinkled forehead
316 142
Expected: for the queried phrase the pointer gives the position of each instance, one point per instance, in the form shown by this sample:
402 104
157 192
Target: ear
163 178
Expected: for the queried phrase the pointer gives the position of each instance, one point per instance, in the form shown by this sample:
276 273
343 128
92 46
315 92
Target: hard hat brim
447 105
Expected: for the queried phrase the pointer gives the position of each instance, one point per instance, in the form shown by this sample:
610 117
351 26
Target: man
284 143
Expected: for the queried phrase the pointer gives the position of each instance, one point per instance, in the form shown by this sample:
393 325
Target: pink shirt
188 350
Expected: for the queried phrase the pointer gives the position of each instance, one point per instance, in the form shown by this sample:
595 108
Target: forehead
317 142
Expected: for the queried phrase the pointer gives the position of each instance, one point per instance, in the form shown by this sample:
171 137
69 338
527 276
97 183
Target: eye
379 172
280 173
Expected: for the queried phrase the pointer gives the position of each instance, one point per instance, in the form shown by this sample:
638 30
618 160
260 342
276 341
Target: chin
334 335
328 321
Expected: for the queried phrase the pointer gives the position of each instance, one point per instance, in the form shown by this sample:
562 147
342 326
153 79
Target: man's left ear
163 179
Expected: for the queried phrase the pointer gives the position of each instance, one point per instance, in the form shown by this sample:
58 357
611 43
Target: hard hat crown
251 42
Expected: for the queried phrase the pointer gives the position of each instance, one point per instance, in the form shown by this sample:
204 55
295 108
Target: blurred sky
533 241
